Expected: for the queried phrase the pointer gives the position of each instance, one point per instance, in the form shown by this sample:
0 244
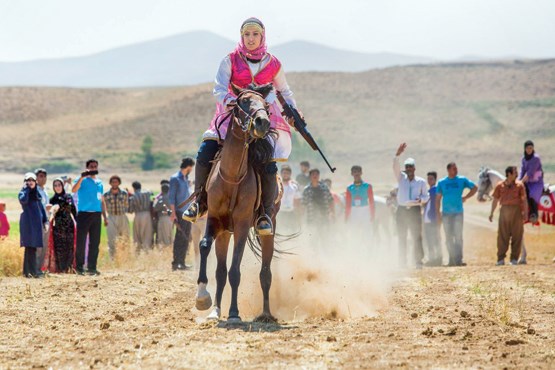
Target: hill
184 59
473 113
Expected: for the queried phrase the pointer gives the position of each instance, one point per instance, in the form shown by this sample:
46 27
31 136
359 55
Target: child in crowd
4 224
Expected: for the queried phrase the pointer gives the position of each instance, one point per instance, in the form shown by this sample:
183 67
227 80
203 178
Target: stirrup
264 231
191 214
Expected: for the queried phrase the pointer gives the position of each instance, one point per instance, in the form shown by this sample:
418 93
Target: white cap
410 162
30 175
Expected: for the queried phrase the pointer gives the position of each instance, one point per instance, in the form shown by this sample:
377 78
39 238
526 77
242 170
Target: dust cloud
337 272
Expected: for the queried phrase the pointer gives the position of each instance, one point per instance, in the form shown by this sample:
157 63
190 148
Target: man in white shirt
287 222
412 194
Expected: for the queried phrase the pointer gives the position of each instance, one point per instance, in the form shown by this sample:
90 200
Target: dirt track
477 316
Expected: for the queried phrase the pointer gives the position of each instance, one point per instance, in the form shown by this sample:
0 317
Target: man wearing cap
449 196
411 195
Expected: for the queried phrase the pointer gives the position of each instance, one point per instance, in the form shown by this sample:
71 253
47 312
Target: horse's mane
261 151
496 173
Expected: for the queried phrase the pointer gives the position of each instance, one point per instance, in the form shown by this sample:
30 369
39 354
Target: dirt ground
479 316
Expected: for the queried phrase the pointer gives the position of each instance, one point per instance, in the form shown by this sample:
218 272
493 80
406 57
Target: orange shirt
510 194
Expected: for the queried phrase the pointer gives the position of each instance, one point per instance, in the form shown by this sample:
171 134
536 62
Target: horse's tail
253 240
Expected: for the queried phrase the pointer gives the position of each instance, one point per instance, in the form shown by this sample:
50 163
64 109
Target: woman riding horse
248 64
531 174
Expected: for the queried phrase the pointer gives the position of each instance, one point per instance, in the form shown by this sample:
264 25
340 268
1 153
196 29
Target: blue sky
444 29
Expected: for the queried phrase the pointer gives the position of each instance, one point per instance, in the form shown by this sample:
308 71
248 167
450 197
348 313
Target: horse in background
489 178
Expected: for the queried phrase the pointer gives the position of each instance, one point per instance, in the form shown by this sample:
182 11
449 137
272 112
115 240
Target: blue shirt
179 191
430 210
452 190
359 194
90 194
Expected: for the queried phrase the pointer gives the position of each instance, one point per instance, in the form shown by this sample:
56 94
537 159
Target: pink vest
241 74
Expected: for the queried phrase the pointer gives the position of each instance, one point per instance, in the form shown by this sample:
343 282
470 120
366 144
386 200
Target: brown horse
232 200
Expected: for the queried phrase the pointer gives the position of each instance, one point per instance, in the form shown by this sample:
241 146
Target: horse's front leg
266 278
222 243
241 231
203 298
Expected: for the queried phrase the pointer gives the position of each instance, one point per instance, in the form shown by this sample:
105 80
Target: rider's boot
269 187
199 206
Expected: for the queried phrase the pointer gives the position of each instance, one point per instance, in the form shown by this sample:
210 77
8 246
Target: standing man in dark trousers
90 190
41 175
179 192
412 194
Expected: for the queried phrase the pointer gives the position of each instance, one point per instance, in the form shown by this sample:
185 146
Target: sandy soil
479 316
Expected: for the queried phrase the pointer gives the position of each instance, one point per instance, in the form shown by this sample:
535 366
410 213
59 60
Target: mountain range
184 59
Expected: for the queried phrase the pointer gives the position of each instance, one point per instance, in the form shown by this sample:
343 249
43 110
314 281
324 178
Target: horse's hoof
234 320
266 318
204 302
214 315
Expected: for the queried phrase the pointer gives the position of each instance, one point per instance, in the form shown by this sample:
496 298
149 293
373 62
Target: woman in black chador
62 243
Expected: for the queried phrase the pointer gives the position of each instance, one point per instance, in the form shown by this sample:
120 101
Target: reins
245 120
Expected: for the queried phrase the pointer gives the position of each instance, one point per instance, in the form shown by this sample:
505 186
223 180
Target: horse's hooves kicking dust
266 319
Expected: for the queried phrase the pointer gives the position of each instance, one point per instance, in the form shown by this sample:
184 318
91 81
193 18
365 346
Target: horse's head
252 109
484 184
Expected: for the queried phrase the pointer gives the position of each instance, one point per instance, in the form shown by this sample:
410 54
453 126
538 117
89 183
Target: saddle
258 211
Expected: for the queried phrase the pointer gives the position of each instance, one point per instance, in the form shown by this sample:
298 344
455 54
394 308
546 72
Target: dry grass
11 258
126 259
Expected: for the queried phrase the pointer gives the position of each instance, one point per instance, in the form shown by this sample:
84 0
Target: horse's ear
236 89
264 90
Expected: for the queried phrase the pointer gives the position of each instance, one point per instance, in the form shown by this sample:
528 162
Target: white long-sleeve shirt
410 193
223 78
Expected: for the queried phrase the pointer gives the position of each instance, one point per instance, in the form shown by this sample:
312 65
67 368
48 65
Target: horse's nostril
261 124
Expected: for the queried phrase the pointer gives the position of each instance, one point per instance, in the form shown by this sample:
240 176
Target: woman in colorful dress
249 63
531 174
62 240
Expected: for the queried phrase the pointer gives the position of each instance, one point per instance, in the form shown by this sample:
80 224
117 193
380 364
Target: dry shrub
482 244
125 253
126 257
11 258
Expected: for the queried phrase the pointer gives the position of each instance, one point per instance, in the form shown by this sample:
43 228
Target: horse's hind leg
203 298
266 278
222 243
240 239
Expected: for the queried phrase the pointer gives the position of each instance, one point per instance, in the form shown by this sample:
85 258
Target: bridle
245 120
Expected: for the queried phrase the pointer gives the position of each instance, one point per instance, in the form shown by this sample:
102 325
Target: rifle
300 126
